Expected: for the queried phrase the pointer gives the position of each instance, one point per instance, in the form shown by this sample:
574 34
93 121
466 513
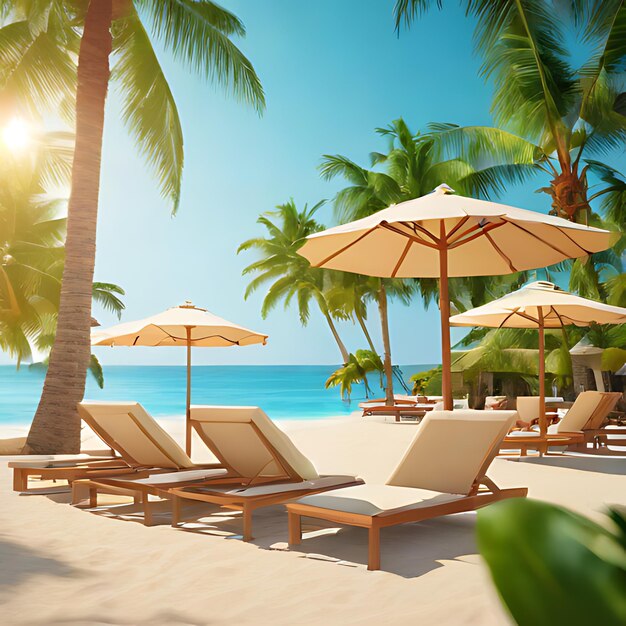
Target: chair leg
247 523
148 519
176 510
20 480
93 497
373 557
295 529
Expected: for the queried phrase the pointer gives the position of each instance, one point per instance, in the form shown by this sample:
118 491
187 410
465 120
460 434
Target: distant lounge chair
599 432
263 467
574 430
143 448
403 406
441 473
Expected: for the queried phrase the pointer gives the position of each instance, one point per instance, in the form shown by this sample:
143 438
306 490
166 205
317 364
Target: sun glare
16 135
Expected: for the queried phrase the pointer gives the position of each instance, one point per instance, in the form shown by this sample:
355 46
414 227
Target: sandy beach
62 565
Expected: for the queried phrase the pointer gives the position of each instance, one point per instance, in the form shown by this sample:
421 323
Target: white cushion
580 412
231 430
375 499
450 448
136 433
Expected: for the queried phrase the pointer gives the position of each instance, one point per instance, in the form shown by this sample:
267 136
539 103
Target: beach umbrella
185 325
540 305
441 235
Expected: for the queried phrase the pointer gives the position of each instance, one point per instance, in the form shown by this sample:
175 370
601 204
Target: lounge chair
142 445
263 468
589 405
441 473
599 432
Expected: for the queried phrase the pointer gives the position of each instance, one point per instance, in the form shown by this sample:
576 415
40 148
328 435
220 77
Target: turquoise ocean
283 391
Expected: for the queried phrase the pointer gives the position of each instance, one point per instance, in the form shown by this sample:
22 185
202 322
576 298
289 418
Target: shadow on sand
410 550
589 463
171 618
20 563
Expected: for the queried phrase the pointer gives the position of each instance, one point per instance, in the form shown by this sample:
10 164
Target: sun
16 135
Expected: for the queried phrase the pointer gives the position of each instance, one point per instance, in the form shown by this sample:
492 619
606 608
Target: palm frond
106 295
149 110
198 35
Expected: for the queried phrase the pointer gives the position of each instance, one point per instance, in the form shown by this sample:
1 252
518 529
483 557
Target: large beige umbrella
441 235
184 325
540 305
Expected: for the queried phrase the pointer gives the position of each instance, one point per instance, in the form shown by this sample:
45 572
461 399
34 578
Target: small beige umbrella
184 325
540 305
441 235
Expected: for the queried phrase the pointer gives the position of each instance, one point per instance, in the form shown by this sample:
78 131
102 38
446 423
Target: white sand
61 565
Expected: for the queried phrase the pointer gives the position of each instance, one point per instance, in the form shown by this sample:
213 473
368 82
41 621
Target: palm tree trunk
384 322
368 337
333 329
56 426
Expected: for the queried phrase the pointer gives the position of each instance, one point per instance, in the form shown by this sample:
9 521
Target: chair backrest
610 400
452 450
528 408
130 430
496 403
249 444
580 412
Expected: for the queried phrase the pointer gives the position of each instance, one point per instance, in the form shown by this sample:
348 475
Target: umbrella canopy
540 305
184 325
442 235
170 327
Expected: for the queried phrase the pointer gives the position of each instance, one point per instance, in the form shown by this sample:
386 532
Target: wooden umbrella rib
459 241
499 251
459 225
413 238
543 241
507 318
418 227
341 250
402 257
527 317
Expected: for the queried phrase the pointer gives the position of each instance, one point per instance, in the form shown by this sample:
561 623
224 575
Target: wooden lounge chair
143 448
567 432
441 473
599 432
262 467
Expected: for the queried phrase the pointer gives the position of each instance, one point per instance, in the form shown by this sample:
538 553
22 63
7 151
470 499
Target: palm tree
412 167
552 117
355 371
555 112
293 276
347 299
38 46
33 226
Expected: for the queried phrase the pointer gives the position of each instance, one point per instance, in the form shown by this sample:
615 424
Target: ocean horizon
282 391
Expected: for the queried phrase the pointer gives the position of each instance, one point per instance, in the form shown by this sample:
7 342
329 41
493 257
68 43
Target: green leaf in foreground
552 566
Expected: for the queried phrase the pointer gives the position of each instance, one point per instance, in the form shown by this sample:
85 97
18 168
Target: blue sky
332 72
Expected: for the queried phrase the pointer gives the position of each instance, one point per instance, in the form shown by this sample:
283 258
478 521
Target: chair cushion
134 433
375 499
230 432
451 448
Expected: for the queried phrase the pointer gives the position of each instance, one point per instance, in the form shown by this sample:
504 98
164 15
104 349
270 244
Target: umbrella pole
543 427
444 309
188 406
